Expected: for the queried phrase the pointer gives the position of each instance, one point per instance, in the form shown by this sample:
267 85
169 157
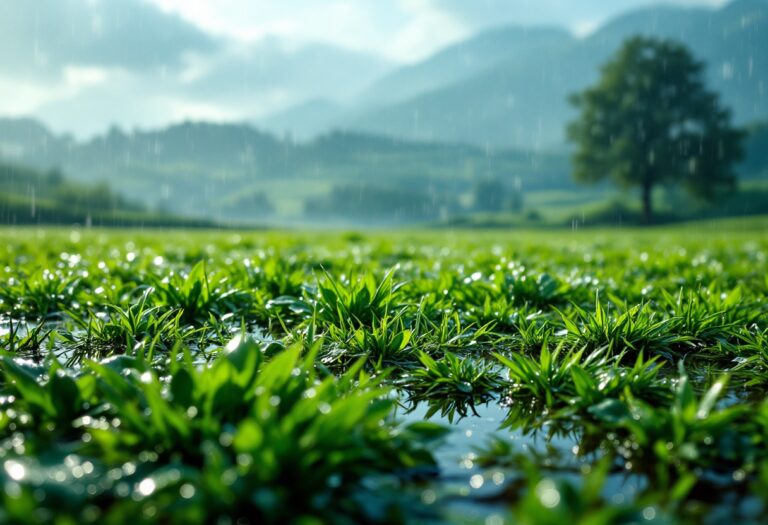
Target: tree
489 195
650 120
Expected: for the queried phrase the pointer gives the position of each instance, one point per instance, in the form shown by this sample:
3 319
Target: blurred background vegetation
473 134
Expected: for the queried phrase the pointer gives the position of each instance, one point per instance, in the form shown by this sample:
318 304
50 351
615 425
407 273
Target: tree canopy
650 120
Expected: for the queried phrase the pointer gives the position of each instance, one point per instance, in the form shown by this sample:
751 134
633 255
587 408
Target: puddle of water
472 492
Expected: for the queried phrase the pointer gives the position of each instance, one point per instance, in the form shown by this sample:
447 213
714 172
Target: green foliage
489 195
241 438
375 203
674 444
35 197
651 121
138 327
358 304
200 295
578 381
551 501
635 329
120 395
452 384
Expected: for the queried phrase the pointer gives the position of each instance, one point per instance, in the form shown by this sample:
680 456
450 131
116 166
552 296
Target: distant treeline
237 173
377 203
371 203
33 197
756 147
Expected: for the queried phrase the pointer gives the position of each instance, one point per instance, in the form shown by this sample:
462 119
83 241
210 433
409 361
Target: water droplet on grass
15 470
476 481
548 494
147 487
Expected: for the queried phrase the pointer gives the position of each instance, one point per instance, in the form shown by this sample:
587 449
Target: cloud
40 38
580 17
244 81
401 30
281 73
83 64
121 97
428 29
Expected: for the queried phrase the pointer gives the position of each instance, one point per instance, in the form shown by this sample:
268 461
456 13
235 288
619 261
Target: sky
84 65
401 30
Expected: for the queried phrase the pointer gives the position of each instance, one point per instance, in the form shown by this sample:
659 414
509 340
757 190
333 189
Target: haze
83 65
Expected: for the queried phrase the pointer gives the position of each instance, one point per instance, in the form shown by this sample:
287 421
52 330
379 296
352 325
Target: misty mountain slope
516 104
29 138
305 120
279 71
464 60
523 102
732 41
453 65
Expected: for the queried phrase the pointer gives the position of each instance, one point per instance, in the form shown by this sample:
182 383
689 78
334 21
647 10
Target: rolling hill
228 171
34 197
235 172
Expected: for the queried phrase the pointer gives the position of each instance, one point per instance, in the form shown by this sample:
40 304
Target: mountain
465 60
304 121
275 72
376 109
520 104
82 64
518 97
237 172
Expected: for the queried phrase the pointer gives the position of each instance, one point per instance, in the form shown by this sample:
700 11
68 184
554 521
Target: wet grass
328 378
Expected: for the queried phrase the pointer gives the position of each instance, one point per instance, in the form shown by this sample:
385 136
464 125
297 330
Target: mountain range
509 86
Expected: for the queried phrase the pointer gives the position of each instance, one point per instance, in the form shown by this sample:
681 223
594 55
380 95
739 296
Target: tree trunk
647 204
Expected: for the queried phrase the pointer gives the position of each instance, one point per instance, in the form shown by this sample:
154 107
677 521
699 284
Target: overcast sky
82 65
402 30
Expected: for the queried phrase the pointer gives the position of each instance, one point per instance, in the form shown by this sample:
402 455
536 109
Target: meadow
591 376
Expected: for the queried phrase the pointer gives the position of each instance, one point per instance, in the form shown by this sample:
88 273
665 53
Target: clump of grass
673 445
358 304
238 439
274 277
138 327
41 294
455 384
577 380
385 343
23 340
450 333
199 295
635 328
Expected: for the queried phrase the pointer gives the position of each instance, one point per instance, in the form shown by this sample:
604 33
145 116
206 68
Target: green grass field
487 377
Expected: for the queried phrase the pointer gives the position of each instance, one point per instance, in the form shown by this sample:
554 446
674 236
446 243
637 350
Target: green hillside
236 173
34 197
220 170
